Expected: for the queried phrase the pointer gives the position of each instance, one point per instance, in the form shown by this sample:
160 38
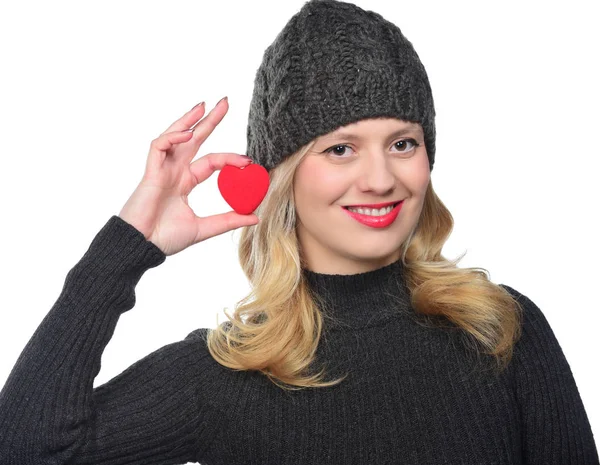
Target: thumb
218 224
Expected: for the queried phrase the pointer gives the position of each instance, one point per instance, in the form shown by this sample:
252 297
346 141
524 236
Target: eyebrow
351 136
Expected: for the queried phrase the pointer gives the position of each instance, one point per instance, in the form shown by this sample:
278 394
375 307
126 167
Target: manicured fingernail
197 105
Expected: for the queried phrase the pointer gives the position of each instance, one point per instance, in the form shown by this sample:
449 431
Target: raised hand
158 207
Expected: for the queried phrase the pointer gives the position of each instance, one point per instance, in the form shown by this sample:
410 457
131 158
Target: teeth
372 211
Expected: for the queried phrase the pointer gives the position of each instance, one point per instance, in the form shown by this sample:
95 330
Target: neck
361 300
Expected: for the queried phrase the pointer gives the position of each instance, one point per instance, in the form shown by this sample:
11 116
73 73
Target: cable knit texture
415 394
334 64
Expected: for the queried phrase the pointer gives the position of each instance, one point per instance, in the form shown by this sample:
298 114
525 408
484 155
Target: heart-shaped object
243 188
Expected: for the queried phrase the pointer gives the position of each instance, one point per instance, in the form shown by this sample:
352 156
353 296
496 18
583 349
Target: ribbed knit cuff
120 250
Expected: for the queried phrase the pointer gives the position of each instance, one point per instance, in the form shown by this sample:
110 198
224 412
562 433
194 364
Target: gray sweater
415 394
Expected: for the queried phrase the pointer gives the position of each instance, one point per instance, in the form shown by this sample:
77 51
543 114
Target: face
372 161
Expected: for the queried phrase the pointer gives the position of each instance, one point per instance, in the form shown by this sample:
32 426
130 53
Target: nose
376 175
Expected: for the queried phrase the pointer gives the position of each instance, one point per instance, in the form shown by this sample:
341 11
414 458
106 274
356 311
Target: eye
401 144
414 143
335 150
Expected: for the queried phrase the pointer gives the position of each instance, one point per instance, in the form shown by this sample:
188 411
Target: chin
371 255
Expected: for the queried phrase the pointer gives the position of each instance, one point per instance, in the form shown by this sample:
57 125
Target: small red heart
243 188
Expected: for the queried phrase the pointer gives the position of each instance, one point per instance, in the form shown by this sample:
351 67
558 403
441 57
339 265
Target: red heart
243 188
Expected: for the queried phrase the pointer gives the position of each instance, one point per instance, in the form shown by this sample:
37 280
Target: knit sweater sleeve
555 426
49 411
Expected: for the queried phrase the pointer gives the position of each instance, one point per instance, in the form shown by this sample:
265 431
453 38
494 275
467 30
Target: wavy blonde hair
277 327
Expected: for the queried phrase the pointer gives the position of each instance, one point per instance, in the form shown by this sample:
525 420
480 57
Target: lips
381 221
373 205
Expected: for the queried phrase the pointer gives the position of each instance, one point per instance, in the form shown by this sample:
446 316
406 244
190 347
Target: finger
166 141
189 119
160 145
206 165
218 224
206 126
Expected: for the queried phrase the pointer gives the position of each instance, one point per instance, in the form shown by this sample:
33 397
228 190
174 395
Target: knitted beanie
334 64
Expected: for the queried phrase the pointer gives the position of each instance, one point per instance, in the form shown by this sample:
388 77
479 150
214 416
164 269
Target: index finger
204 128
189 119
209 163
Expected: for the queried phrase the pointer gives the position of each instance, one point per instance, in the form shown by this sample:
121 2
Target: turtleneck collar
364 299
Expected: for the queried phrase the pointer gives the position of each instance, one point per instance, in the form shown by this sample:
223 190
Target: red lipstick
376 221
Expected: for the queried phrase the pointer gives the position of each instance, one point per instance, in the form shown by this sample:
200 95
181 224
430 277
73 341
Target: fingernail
224 98
197 105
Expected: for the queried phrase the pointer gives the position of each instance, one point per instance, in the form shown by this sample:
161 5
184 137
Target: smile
375 218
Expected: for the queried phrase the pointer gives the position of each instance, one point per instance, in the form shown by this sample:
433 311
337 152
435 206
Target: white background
86 86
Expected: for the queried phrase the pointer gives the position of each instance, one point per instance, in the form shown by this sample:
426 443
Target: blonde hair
277 327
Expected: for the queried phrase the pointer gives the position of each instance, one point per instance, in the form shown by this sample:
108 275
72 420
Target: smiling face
371 161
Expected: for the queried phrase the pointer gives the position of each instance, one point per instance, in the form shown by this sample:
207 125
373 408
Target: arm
555 426
49 411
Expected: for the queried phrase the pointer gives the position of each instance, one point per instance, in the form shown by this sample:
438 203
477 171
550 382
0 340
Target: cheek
419 175
318 185
421 181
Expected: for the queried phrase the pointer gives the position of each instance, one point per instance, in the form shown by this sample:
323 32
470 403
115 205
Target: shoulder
198 341
531 313
197 334
537 345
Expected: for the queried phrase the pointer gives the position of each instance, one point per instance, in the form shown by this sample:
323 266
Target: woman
359 342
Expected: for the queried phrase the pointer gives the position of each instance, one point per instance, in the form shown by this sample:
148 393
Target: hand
159 208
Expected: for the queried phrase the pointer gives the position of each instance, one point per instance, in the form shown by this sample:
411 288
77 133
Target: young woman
360 343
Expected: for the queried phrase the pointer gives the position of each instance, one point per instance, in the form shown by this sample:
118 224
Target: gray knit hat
334 64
